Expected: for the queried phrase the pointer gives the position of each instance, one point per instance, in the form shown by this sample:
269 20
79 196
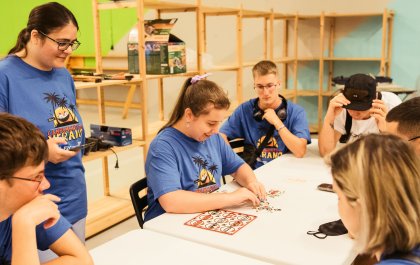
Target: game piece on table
222 221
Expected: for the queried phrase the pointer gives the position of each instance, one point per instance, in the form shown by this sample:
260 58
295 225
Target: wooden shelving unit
292 59
114 208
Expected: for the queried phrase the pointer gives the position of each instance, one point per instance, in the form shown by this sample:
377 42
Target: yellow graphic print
205 180
62 111
271 150
66 123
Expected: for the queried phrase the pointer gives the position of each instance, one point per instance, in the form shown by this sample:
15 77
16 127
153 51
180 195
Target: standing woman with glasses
35 85
253 119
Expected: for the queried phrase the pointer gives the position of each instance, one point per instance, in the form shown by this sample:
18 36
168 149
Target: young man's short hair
407 115
264 68
21 144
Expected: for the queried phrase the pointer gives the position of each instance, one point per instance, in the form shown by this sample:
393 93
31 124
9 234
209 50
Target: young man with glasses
253 119
30 219
35 85
404 121
357 111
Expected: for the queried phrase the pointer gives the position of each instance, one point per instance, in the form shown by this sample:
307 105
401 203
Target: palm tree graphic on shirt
62 111
205 172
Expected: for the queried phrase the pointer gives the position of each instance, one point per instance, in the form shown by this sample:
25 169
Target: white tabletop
148 247
280 236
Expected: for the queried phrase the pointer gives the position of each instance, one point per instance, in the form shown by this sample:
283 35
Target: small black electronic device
325 187
281 111
82 146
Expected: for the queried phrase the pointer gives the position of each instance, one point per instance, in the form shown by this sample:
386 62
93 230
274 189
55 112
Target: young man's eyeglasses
38 178
63 45
414 138
269 86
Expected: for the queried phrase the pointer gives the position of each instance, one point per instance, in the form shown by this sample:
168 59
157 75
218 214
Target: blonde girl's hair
197 97
382 174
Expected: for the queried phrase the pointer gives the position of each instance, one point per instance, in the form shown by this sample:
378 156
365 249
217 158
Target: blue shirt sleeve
298 125
46 237
162 169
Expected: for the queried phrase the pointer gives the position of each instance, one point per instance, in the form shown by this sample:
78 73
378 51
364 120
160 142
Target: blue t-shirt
44 237
178 162
48 100
389 260
241 124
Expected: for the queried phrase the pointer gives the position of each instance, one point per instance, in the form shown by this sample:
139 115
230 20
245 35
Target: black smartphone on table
325 187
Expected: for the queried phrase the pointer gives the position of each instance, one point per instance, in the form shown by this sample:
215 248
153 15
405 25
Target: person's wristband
280 128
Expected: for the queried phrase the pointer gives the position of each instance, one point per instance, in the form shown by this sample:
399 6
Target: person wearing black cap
357 111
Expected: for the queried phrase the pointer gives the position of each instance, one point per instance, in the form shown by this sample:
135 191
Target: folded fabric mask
334 228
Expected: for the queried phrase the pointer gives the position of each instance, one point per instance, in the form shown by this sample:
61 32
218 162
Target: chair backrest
138 194
238 147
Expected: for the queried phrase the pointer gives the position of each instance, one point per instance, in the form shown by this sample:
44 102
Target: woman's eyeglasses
63 45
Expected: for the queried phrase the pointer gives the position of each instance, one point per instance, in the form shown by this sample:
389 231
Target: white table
147 247
278 237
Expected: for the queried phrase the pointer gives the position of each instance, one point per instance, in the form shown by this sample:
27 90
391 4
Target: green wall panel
114 23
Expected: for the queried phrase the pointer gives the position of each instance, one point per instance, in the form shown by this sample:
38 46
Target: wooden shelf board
92 56
328 93
108 103
303 16
288 93
84 85
100 154
223 68
364 59
188 73
160 5
93 69
335 15
255 14
307 92
107 212
307 59
284 16
220 11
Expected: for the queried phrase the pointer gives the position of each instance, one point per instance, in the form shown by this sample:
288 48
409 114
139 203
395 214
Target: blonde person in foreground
377 181
188 157
29 219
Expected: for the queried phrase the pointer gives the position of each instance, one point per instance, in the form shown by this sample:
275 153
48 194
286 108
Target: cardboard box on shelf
165 53
115 136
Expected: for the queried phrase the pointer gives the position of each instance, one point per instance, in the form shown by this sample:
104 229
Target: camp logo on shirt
63 115
205 180
62 110
270 150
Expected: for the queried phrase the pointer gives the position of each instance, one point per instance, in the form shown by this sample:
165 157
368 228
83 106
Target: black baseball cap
360 90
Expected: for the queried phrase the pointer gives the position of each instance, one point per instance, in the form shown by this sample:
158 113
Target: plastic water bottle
133 51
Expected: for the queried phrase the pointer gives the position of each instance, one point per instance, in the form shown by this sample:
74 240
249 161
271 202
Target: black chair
238 147
138 194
